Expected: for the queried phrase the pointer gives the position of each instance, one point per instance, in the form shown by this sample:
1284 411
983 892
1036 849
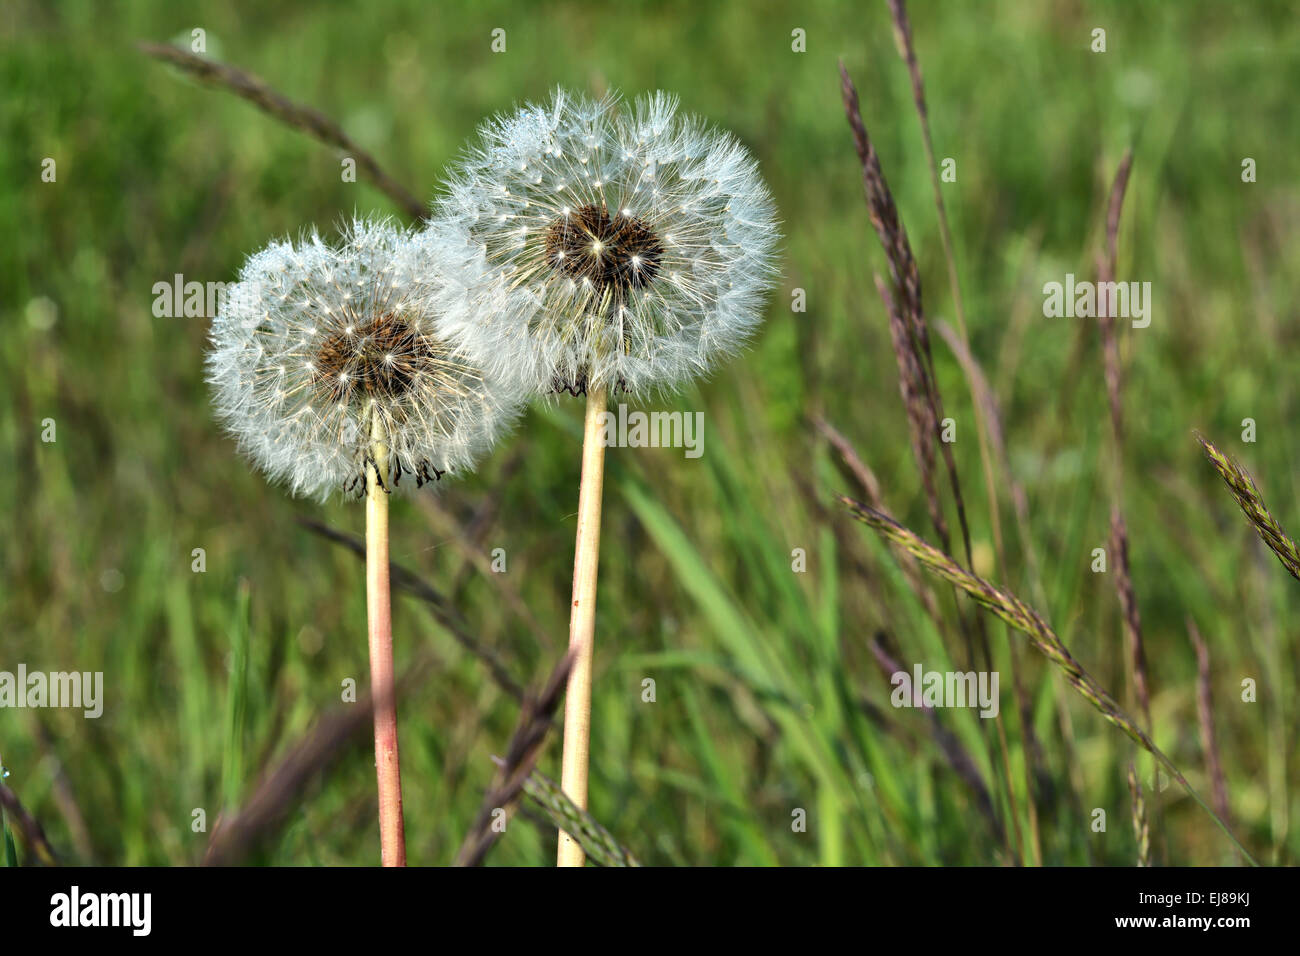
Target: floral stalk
591 246
379 614
582 622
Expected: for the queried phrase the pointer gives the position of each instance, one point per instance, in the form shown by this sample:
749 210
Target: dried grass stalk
295 115
1132 619
922 425
1107 265
911 340
906 49
1205 718
915 360
535 721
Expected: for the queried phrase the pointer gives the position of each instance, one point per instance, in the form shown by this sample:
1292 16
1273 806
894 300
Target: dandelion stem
379 614
582 621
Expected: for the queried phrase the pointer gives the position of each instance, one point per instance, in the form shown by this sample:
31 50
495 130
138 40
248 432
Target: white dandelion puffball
317 350
585 244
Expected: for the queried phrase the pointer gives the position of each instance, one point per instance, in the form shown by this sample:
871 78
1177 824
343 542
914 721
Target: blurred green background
768 700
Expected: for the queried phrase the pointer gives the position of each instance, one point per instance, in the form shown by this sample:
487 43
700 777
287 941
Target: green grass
761 673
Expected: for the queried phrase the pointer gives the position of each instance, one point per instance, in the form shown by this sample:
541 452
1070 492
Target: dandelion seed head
315 343
588 242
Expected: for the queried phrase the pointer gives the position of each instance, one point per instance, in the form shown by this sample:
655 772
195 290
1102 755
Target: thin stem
294 115
379 612
582 621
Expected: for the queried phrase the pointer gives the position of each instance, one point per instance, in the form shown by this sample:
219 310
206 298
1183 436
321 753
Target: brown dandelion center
380 358
618 253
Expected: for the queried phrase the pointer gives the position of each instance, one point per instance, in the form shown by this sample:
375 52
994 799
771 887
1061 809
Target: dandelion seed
317 347
640 289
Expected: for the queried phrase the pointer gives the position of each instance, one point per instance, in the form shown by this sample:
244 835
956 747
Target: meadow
766 616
